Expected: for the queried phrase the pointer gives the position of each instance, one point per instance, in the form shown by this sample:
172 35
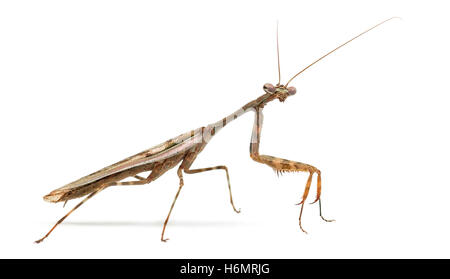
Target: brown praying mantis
185 149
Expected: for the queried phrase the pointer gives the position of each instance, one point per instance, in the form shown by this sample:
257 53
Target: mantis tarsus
185 148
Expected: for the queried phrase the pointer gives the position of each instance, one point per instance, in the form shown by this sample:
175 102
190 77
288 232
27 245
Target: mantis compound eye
291 91
269 88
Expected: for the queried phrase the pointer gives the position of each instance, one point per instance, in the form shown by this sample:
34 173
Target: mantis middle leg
185 166
228 180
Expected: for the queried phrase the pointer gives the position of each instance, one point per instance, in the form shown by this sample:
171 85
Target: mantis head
281 92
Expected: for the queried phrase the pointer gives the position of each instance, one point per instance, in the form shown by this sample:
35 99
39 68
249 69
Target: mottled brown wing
159 152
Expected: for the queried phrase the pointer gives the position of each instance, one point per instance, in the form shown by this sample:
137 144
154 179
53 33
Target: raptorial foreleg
283 165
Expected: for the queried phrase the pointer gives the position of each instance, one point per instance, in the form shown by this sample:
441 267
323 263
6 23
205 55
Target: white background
84 84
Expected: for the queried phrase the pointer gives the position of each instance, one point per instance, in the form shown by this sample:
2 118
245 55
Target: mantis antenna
278 57
297 74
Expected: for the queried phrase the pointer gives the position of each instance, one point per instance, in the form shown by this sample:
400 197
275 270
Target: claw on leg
306 192
319 187
320 211
300 219
305 195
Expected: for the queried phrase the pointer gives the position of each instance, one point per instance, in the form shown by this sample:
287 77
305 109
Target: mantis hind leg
140 182
70 212
138 177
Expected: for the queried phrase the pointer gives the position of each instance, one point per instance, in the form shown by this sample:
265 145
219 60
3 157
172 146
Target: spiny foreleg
282 165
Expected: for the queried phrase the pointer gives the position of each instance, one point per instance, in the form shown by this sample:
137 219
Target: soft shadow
157 223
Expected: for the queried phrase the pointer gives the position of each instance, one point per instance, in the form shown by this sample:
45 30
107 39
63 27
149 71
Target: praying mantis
185 148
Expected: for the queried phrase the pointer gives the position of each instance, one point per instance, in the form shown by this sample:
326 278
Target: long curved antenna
338 48
278 57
